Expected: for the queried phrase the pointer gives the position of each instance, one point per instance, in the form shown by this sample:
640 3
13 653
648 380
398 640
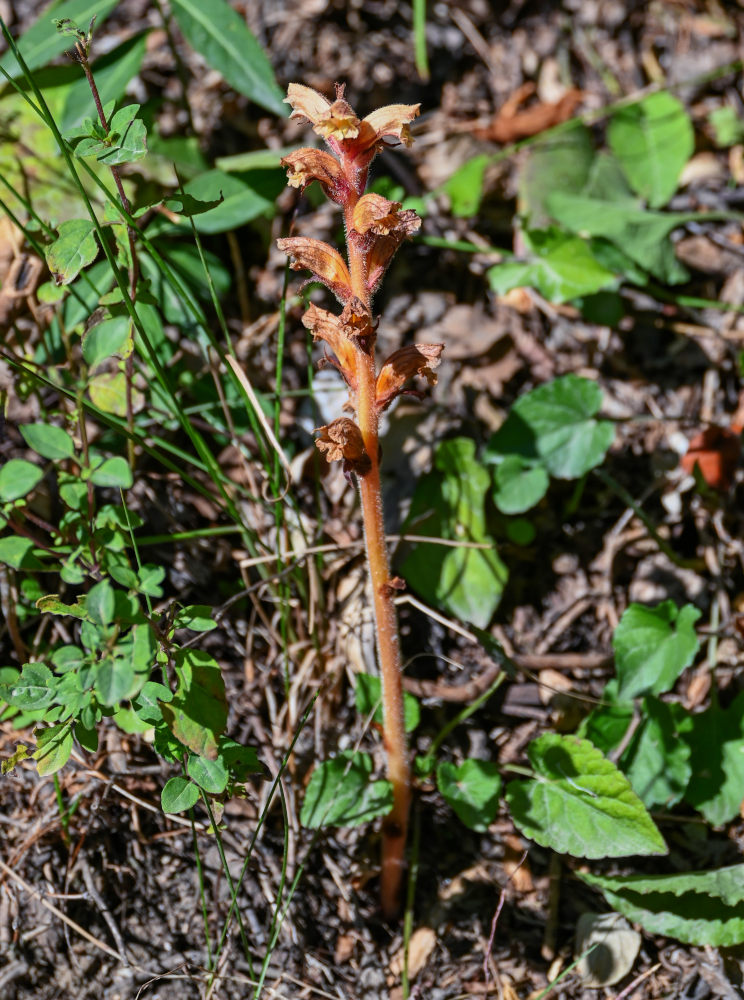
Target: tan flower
325 263
307 165
338 123
325 326
393 120
342 439
375 214
307 104
415 359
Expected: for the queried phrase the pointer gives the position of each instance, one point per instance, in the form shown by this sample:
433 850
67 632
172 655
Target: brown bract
357 323
325 326
306 165
415 359
342 439
325 263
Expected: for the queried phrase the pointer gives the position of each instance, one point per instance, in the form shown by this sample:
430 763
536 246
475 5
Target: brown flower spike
375 228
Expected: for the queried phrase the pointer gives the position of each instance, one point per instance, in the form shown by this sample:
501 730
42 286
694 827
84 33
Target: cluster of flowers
375 228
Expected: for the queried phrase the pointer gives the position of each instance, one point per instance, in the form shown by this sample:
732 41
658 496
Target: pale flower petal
306 103
393 120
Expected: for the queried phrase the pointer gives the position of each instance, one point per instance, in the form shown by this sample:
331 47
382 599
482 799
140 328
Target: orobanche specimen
375 228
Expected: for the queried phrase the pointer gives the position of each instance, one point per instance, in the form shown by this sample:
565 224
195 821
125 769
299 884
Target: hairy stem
395 825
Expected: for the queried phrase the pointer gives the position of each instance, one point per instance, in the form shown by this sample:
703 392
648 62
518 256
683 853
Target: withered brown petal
306 165
382 250
373 213
325 326
325 263
403 364
342 439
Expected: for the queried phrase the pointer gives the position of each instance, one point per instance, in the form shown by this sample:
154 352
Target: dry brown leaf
510 124
420 947
519 875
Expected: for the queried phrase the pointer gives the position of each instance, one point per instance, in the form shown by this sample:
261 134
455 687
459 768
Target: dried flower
357 141
325 326
342 439
307 165
404 364
325 263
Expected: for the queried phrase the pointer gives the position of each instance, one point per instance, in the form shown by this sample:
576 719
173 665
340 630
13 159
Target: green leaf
450 503
716 740
113 472
580 803
48 441
112 72
178 795
197 617
75 247
560 162
642 236
147 703
559 266
465 186
472 790
42 42
100 603
110 338
519 485
340 793
555 426
605 726
197 716
657 759
65 658
17 478
368 694
219 34
242 197
702 908
33 689
653 140
87 738
53 748
114 680
17 552
653 646
240 761
209 774
728 127
50 604
126 141
108 391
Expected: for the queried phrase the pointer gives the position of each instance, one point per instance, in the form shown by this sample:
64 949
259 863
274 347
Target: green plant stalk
82 50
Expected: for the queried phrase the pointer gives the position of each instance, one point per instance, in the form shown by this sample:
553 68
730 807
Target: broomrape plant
375 227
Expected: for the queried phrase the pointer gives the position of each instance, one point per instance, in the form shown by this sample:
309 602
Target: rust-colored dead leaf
716 452
511 124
